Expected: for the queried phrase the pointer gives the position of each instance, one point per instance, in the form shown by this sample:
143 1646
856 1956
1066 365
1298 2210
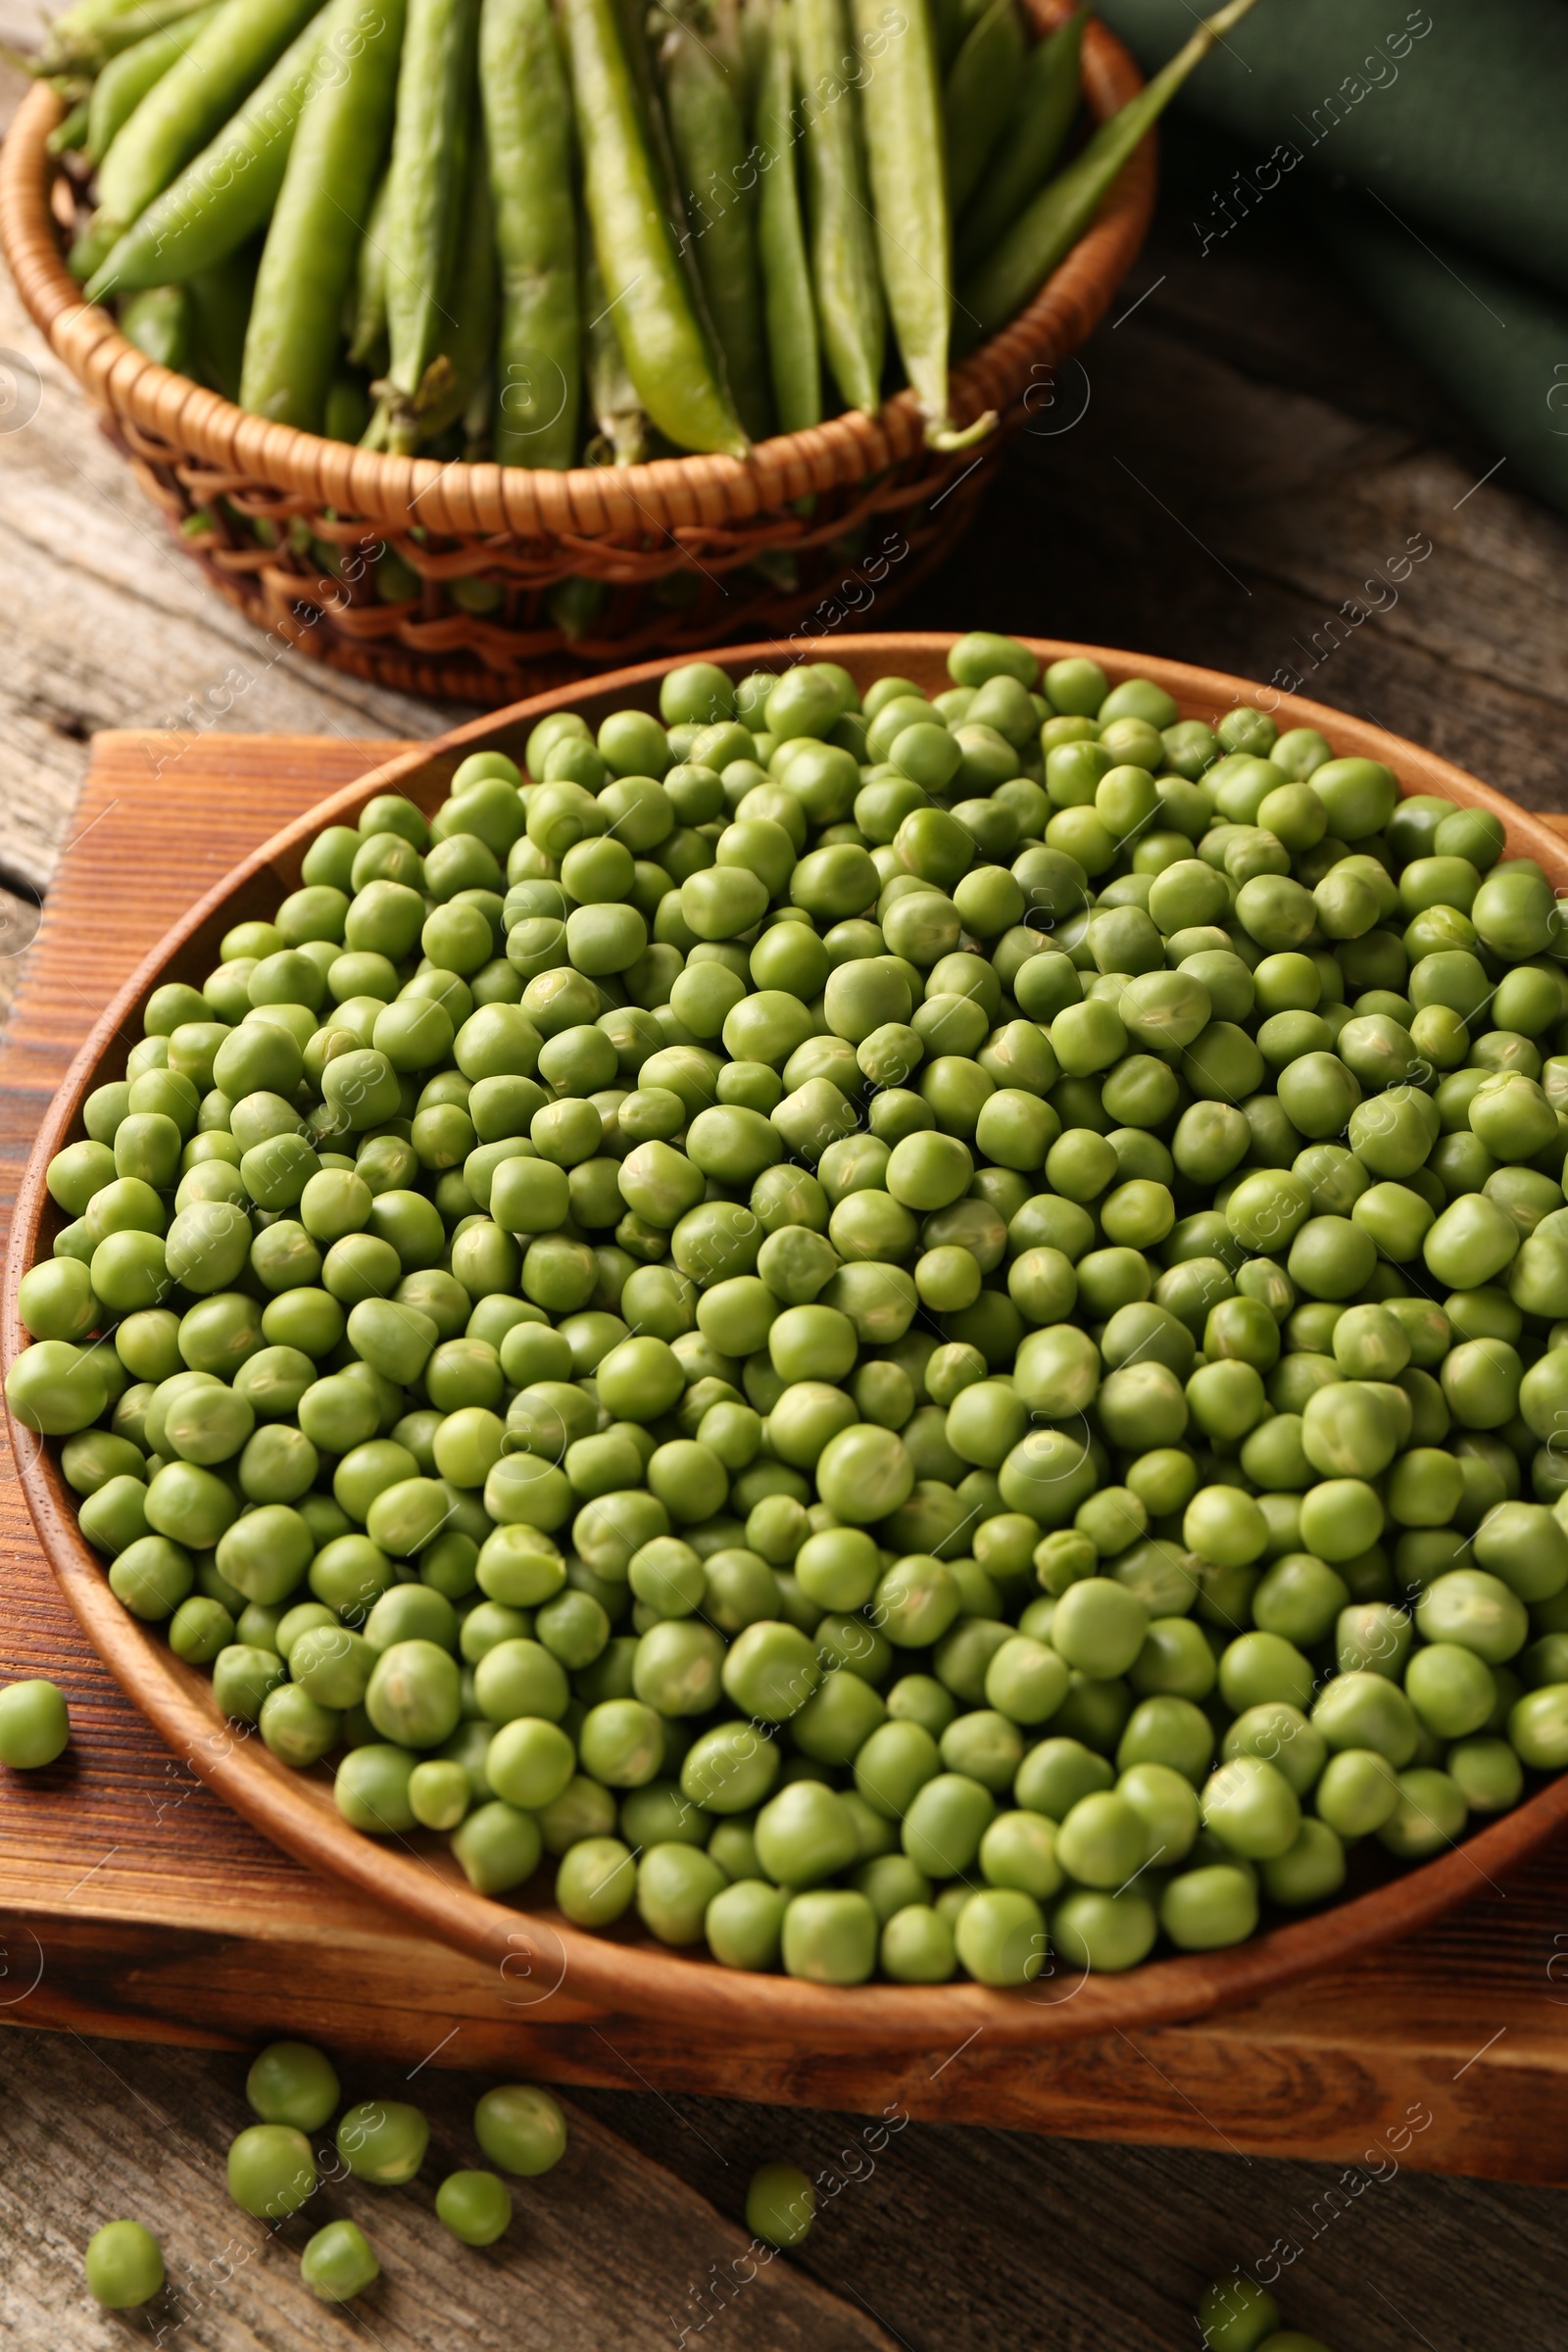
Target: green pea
1252 1807
1488 1774
339 2262
830 1937
271 2171
1538 1728
1103 1933
123 2266
35 1726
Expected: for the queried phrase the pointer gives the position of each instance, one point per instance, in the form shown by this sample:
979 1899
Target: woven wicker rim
586 502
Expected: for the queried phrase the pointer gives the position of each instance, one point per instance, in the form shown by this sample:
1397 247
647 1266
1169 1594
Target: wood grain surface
603 2250
1245 449
932 2238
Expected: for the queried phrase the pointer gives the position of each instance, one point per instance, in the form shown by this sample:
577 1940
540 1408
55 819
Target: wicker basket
811 531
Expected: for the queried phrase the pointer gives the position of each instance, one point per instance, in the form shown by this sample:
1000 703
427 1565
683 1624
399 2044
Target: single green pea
34 1725
291 2083
1251 1808
1237 2315
830 1937
780 2205
1357 1793
1104 1932
475 2206
521 2129
271 2171
339 2262
123 2265
383 2142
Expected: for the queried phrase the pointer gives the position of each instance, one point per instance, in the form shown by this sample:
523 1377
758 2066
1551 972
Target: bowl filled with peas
863 1346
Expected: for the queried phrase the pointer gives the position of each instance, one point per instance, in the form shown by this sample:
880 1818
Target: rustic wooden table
1243 470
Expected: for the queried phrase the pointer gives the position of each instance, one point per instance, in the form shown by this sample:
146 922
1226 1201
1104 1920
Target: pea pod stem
527 113
661 331
844 261
1030 145
1063 210
84 39
226 192
794 349
183 109
292 342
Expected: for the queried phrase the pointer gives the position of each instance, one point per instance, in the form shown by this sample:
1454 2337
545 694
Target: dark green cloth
1462 127
1498 344
1443 132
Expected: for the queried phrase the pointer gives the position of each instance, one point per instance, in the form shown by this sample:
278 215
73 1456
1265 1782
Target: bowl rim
545 1964
687 497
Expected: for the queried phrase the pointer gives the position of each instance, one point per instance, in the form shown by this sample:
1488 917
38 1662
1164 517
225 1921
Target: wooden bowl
542 1959
682 554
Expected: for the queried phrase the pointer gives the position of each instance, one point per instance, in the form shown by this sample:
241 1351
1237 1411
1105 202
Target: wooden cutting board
132 1903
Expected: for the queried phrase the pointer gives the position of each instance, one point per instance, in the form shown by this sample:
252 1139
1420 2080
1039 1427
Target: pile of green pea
1237 2315
900 1333
272 2174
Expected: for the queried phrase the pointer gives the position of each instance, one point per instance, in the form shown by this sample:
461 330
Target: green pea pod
1025 156
469 335
221 309
1062 211
661 330
158 321
527 114
709 135
345 417
793 351
575 605
368 311
126 79
70 134
636 31
949 21
754 35
726 45
622 435
182 111
84 39
227 193
291 346
980 96
901 103
74 34
427 181
844 261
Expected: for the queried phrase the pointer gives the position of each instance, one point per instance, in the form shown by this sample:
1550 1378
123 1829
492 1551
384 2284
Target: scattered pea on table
124 2266
339 2262
780 2205
34 1725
